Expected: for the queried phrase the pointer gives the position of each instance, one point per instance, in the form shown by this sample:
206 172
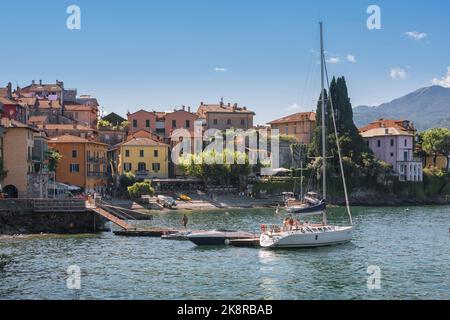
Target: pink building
394 145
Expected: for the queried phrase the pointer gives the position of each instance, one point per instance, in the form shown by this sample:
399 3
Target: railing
97 174
96 160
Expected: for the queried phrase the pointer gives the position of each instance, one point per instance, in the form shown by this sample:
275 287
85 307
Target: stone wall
18 216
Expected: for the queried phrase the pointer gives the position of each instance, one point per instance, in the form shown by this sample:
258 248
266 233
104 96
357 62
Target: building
393 142
299 125
142 120
114 119
74 129
83 162
83 114
18 142
225 116
145 157
40 91
13 110
180 119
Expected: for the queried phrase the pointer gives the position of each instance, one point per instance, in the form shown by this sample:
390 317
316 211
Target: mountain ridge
427 107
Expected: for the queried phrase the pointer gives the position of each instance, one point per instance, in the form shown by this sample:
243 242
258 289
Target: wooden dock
153 232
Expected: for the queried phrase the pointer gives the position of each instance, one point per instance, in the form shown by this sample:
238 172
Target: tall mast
322 71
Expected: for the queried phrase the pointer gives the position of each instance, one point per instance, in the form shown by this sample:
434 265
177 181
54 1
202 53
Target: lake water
410 247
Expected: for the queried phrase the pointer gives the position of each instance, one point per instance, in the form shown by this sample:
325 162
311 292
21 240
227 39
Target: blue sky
261 54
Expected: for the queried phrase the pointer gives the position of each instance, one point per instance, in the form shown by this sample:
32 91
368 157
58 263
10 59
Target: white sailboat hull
303 238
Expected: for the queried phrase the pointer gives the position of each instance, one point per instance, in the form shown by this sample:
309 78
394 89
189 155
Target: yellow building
300 125
438 161
145 157
17 158
83 162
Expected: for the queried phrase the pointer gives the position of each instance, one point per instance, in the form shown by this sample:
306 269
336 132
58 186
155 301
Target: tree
204 166
127 179
140 189
437 142
53 157
352 144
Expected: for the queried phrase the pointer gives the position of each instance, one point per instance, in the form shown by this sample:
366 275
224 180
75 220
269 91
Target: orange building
179 119
142 120
83 114
83 162
300 125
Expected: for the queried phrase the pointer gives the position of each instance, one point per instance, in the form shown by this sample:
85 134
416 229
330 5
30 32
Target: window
243 122
405 155
228 121
174 123
147 123
127 153
74 167
134 123
155 153
286 130
188 124
141 153
215 121
142 166
379 143
156 166
392 154
74 154
127 166
406 143
392 142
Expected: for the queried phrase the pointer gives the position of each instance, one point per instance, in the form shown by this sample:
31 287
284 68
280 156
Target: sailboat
296 235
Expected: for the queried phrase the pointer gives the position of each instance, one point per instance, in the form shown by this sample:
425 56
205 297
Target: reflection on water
410 247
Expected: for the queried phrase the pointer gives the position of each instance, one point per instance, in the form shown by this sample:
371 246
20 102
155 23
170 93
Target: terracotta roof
67 138
27 101
16 124
47 104
5 100
203 109
38 118
386 123
79 127
381 132
296 117
78 107
142 134
43 87
143 142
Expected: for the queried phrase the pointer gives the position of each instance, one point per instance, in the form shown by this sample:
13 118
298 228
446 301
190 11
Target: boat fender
227 241
263 228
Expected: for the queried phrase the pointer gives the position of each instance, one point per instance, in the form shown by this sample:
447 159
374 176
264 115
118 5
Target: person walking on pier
185 221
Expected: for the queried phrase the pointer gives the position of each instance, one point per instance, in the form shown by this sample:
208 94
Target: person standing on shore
184 221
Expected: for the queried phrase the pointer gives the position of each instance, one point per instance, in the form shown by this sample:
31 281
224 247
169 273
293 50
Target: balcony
96 160
96 174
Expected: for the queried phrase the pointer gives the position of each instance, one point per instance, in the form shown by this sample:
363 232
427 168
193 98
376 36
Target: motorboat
218 237
182 235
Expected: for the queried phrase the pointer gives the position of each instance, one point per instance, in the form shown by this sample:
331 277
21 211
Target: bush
127 179
140 189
